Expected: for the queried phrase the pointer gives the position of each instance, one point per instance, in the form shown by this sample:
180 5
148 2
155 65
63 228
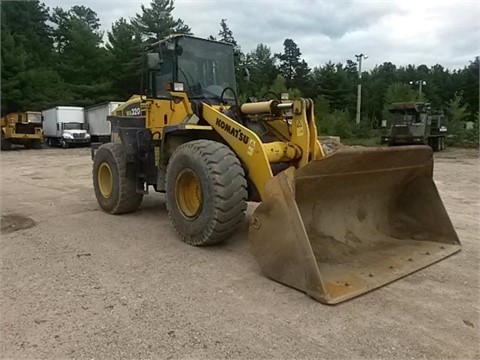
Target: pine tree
81 60
156 22
124 46
294 70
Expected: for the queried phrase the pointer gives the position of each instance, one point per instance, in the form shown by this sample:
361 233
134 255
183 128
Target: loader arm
245 143
296 143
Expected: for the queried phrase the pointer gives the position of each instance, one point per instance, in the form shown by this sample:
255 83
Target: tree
397 92
26 21
156 23
124 47
457 115
333 83
225 34
27 79
81 60
263 71
294 70
470 85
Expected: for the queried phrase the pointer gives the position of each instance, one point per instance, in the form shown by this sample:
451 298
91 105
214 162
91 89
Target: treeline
62 57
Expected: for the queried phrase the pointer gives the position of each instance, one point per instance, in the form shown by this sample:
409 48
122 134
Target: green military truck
412 123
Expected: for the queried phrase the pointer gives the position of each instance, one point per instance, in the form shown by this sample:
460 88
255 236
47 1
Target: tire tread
230 191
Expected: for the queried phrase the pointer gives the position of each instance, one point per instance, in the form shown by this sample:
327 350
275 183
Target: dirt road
77 283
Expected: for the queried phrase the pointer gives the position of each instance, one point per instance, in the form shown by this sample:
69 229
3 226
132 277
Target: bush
337 123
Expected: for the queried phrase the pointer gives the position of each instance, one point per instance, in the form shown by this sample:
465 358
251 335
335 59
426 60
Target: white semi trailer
65 126
96 119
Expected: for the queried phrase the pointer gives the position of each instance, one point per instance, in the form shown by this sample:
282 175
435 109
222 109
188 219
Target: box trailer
65 126
96 119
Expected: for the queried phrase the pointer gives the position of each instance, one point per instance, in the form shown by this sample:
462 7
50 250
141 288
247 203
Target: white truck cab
65 126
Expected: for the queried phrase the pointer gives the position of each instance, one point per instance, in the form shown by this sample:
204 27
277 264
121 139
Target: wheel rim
105 180
188 193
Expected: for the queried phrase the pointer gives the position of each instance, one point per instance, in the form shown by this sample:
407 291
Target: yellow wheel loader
334 226
22 129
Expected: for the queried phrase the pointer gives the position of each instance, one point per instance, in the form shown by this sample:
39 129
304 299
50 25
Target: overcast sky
401 31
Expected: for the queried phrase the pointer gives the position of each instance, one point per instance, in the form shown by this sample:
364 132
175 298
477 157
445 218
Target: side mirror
153 61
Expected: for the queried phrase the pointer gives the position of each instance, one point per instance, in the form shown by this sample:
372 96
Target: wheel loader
22 129
333 226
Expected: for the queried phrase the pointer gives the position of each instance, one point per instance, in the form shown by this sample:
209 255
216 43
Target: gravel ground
77 283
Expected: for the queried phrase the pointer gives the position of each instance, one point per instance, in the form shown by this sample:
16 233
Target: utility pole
420 84
359 88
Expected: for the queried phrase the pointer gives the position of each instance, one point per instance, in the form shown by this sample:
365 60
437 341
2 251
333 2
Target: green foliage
58 57
457 116
294 70
337 122
263 72
336 84
80 58
397 92
472 135
26 75
226 35
156 22
124 47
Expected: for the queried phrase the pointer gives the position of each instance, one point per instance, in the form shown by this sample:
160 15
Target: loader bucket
351 222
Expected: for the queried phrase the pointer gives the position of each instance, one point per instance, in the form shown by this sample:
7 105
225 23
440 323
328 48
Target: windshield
205 67
398 118
34 118
72 126
402 117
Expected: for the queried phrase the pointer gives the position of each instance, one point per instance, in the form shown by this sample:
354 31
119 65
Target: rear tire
6 144
218 200
120 196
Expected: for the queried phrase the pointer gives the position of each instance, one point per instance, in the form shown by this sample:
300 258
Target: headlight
87 136
178 87
68 136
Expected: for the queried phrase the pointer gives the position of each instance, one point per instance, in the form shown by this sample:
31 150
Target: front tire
115 191
64 144
206 192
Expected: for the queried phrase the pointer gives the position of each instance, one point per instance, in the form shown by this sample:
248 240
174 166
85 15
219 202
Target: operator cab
204 69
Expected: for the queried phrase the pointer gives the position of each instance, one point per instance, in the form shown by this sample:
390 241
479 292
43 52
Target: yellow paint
8 126
105 180
245 143
162 112
279 151
188 193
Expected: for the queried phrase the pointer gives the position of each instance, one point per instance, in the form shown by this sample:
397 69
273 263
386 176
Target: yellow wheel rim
188 193
105 180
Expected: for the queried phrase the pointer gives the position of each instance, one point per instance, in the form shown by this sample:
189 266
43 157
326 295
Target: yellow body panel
296 140
245 143
163 112
9 129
